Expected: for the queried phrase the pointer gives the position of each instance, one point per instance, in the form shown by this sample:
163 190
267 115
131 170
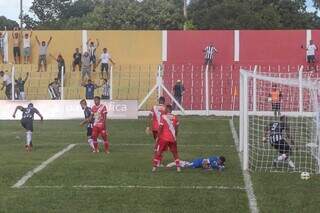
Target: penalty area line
139 187
43 165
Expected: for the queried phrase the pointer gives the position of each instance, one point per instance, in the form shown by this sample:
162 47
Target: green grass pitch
129 164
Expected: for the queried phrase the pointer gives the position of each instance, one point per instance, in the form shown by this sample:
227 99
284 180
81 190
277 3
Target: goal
279 122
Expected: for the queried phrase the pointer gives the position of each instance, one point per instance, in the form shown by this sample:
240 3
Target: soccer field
80 181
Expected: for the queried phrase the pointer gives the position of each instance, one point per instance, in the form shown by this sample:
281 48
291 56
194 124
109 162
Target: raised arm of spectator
98 43
37 39
52 56
112 61
50 39
97 86
99 61
14 30
27 76
3 85
88 41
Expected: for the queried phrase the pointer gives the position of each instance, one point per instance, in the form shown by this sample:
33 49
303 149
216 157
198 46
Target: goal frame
299 82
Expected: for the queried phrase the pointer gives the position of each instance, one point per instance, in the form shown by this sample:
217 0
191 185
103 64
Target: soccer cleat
178 169
291 164
154 169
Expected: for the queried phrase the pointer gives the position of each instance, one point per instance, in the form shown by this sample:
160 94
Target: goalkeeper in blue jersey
210 163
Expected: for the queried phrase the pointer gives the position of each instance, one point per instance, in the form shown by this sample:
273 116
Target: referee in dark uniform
27 122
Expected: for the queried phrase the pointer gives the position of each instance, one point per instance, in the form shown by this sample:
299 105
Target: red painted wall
272 46
272 50
187 46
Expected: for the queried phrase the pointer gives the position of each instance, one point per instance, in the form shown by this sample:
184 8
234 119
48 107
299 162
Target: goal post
279 122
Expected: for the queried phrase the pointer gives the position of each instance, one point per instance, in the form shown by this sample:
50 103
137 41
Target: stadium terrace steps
135 81
129 81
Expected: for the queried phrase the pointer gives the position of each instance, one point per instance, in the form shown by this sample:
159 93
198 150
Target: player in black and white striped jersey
87 115
27 122
209 53
277 133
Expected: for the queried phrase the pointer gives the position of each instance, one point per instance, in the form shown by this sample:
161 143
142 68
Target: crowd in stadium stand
86 63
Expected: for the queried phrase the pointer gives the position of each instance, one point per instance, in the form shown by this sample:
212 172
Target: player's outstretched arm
39 114
148 124
84 122
15 111
160 130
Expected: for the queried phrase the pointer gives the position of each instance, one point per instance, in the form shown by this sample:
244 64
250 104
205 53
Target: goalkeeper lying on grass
209 163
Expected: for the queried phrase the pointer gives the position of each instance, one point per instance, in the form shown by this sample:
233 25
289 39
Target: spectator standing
20 86
178 91
92 48
209 53
61 65
7 83
311 55
105 90
76 60
90 88
2 45
104 60
43 50
16 45
27 47
54 89
85 66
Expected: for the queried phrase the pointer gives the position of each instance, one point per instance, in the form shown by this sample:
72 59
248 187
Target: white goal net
279 122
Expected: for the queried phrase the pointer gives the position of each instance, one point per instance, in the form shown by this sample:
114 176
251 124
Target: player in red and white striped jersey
154 119
99 115
167 138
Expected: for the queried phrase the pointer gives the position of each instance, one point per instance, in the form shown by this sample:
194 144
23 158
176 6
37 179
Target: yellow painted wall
136 53
126 47
130 47
63 42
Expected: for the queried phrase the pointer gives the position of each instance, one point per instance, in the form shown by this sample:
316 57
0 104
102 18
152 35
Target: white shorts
22 96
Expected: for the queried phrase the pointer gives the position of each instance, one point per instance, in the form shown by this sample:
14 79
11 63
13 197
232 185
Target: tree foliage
251 14
7 23
168 14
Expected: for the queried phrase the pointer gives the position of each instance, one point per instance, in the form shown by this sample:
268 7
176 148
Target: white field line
43 165
246 175
140 187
